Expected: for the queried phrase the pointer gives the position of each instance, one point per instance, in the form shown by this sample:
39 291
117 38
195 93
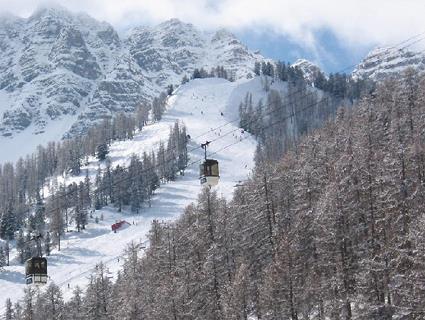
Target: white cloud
355 21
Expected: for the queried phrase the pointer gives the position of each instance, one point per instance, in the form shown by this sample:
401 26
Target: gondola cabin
36 270
209 172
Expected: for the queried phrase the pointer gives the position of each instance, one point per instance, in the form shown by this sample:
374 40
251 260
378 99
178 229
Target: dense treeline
334 230
217 72
299 111
338 85
130 186
134 185
287 117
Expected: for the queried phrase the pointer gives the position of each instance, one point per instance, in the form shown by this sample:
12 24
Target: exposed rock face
56 66
308 68
172 49
70 52
382 63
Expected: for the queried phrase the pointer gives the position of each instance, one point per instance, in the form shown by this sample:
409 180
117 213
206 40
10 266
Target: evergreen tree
37 221
50 303
20 246
56 220
7 252
185 79
28 307
74 309
47 244
142 116
9 314
257 68
2 258
102 151
8 223
98 297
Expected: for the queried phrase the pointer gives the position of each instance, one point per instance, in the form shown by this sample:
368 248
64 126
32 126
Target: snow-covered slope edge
199 105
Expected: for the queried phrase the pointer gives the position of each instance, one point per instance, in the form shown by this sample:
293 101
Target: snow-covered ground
199 105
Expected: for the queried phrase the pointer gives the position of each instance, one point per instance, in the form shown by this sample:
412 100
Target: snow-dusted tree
38 220
56 226
47 244
28 307
7 252
80 210
142 115
2 258
8 224
136 185
9 313
120 187
158 106
236 297
20 246
98 297
102 151
73 309
50 303
129 292
18 312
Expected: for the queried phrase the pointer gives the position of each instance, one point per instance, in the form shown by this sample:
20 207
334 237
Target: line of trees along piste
298 111
339 85
24 209
334 230
217 72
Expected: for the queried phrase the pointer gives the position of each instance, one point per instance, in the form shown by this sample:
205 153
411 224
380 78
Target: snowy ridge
72 70
174 49
198 104
57 64
382 63
308 68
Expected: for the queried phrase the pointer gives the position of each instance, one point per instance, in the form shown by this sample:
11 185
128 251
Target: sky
334 34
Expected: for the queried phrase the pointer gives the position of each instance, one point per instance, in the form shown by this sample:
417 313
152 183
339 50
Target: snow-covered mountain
60 71
56 64
308 68
386 62
172 49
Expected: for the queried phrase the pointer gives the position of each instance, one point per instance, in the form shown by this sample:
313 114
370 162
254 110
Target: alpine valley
173 173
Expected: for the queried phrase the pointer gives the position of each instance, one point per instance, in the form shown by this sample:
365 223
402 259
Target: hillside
199 107
334 229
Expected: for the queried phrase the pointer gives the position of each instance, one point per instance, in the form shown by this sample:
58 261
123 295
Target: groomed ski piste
208 108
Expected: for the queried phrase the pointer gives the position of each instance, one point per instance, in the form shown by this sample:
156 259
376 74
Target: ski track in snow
198 104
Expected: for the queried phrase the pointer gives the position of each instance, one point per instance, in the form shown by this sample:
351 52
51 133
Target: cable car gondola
209 173
36 270
36 267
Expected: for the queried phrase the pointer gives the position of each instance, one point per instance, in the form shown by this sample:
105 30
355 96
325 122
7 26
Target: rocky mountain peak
51 12
308 68
223 34
174 24
385 62
67 71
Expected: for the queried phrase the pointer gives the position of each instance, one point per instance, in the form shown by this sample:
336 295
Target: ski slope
199 104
